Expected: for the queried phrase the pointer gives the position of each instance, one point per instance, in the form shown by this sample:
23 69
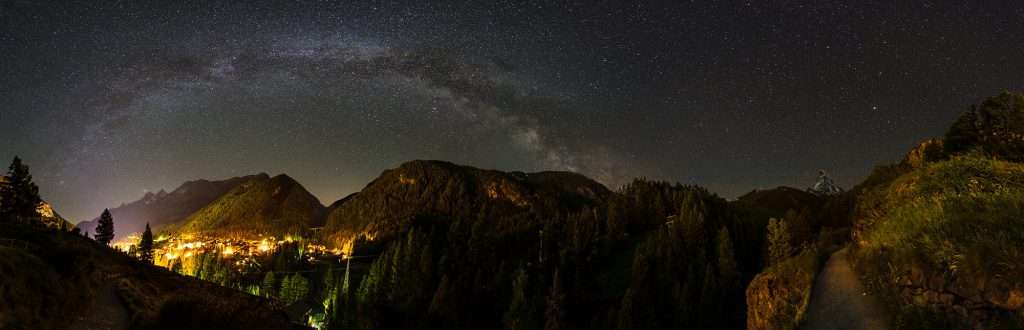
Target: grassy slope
278 205
963 218
49 284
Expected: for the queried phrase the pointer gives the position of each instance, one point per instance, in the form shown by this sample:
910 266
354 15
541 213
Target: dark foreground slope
163 208
50 280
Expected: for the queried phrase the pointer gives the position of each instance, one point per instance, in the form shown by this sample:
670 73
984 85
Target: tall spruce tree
554 313
520 310
105 228
779 247
19 196
269 285
146 245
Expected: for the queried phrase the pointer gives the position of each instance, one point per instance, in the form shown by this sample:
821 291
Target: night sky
108 100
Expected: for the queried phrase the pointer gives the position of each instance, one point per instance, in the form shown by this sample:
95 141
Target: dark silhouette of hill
444 191
163 208
50 276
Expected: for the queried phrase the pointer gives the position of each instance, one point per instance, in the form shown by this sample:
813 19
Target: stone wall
977 302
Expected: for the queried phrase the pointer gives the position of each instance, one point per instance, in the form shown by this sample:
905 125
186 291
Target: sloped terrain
445 191
277 205
47 278
944 241
939 235
163 208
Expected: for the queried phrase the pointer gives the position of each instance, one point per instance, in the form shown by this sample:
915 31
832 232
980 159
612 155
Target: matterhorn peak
824 186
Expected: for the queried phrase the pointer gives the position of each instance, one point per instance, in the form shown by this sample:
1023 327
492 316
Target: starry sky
106 100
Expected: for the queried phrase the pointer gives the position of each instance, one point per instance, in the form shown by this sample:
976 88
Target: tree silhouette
995 127
554 313
105 228
146 245
19 196
269 285
779 246
520 311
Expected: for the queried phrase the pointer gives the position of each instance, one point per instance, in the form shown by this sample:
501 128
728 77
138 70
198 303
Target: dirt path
839 300
108 312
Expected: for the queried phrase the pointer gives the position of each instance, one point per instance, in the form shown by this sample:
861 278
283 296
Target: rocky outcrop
777 298
930 150
976 301
824 186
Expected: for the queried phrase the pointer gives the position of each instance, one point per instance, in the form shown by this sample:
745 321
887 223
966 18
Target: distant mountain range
441 191
260 204
163 208
937 235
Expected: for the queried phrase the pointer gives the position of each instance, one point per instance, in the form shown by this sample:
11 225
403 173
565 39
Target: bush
995 127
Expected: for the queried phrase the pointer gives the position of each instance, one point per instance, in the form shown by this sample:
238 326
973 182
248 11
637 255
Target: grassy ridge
959 221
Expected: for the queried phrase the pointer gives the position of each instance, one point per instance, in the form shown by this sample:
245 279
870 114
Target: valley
930 240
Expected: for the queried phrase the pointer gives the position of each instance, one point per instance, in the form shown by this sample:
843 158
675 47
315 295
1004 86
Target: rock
963 289
998 292
946 298
937 283
979 315
773 299
920 300
1015 300
928 151
960 310
916 275
824 186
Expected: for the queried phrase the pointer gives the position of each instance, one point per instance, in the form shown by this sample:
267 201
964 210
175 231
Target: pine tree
801 229
105 228
299 287
709 301
554 314
269 285
779 247
728 269
441 305
625 318
345 281
287 289
329 279
19 197
146 245
519 313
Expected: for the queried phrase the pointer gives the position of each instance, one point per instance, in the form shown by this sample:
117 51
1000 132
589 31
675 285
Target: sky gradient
108 101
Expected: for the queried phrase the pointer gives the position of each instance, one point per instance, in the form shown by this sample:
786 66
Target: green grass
962 219
964 216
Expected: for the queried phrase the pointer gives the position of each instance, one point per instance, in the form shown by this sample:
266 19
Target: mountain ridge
444 190
163 208
275 205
